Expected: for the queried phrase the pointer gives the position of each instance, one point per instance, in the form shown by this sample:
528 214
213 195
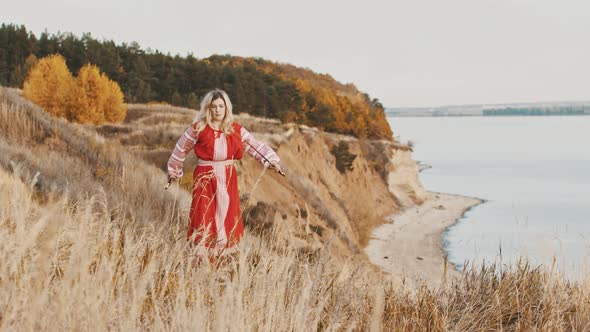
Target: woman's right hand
170 179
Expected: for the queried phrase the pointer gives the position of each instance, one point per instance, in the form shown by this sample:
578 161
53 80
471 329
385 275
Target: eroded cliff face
403 181
319 206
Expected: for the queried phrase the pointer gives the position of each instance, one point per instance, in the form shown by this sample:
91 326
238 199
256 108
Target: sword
268 161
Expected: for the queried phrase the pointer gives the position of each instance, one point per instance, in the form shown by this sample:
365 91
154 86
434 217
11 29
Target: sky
415 53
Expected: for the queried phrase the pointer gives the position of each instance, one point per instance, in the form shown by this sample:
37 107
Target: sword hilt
279 171
168 184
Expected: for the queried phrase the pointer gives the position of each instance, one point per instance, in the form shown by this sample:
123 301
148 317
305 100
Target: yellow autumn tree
89 98
96 98
49 84
115 108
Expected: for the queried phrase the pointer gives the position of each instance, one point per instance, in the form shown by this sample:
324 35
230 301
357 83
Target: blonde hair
203 117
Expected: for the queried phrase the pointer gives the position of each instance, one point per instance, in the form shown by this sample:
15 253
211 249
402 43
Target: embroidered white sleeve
257 149
183 146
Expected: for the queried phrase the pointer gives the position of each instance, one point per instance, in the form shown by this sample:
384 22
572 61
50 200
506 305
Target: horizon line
497 103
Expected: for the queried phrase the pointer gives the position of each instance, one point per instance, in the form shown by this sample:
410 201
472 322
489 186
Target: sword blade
268 161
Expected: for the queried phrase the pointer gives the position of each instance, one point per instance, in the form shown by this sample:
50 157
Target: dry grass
74 161
71 265
90 241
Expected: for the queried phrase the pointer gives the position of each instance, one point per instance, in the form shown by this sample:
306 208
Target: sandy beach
409 245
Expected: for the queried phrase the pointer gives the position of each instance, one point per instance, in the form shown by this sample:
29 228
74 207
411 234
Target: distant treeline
566 110
256 86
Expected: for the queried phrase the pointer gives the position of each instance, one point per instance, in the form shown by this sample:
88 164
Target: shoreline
408 247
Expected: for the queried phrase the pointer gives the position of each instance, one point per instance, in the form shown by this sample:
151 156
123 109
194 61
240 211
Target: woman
215 216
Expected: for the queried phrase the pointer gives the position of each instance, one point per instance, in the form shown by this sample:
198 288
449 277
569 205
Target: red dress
215 215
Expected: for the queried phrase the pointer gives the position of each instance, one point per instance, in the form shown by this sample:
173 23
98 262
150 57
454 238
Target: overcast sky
405 53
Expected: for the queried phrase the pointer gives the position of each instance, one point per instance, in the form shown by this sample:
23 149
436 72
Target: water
534 173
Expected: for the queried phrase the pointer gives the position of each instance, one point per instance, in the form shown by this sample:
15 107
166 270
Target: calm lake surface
533 172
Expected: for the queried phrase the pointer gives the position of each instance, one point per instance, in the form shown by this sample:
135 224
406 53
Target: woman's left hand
277 167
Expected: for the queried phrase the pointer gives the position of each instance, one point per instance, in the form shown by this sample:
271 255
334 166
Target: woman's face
217 110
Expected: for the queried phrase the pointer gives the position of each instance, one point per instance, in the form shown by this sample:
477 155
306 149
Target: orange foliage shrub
49 84
89 98
331 105
97 98
115 108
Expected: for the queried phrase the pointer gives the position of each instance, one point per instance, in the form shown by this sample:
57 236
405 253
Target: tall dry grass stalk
15 124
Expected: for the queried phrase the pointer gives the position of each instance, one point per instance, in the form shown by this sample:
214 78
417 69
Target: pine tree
17 77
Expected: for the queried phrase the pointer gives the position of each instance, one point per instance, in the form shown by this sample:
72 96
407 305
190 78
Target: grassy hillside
90 241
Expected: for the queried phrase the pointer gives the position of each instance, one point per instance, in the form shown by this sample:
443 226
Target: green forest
256 86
